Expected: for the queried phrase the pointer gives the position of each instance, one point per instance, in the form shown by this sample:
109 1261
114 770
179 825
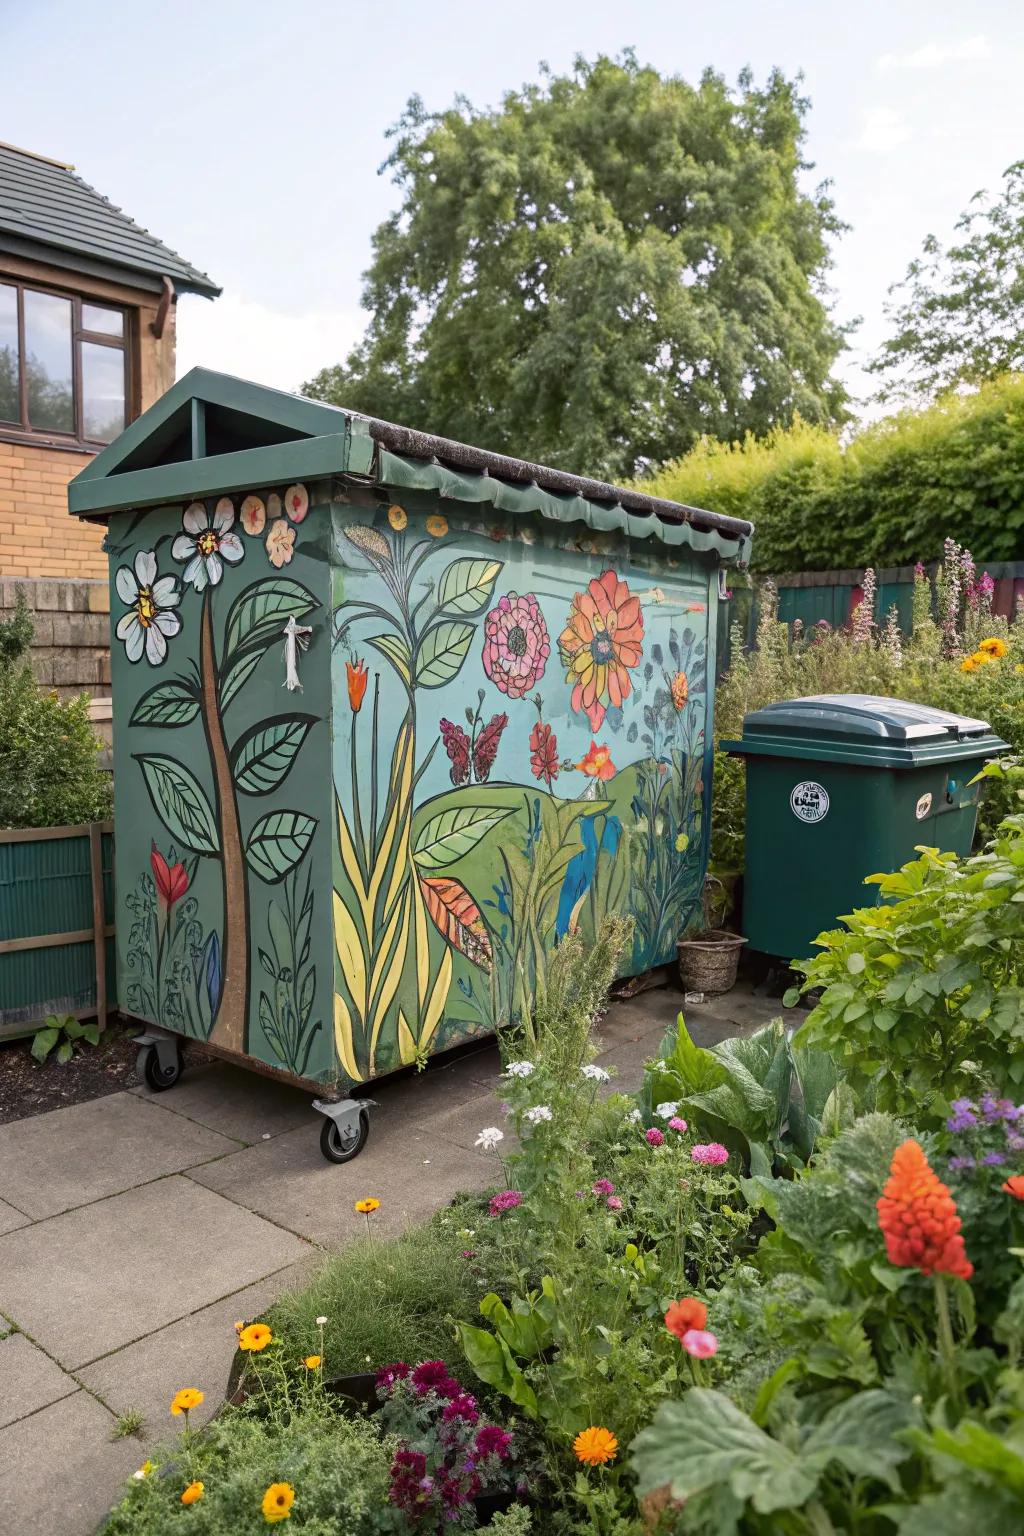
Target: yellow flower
1019 667
277 1502
969 664
143 1472
254 1338
682 842
364 1207
981 658
312 1361
398 518
993 647
595 1446
239 1325
192 1493
185 1400
437 526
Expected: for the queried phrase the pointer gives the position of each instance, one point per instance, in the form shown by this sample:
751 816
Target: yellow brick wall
37 537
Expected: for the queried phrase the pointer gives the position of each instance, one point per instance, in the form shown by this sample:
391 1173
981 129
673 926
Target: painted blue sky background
248 134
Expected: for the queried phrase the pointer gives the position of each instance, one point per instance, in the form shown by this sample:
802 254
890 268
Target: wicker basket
708 963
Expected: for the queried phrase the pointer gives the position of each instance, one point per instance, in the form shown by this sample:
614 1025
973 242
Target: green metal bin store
842 786
391 716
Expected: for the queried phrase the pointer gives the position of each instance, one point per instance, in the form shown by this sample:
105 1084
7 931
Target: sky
248 135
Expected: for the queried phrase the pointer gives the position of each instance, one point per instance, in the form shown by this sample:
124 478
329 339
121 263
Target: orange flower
993 647
311 1362
680 690
364 1207
602 639
254 1338
185 1400
193 1492
682 1316
1015 1186
277 1502
357 679
595 1446
918 1216
598 763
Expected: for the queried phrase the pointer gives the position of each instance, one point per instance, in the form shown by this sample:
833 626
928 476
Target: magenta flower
461 1407
430 1376
516 644
389 1375
506 1201
654 1137
676 1124
614 1203
492 1441
709 1152
603 1187
699 1344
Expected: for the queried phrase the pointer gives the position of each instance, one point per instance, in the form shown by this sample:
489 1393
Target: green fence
56 925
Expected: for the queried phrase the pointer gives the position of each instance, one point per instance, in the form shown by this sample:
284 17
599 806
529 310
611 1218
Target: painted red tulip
357 680
171 879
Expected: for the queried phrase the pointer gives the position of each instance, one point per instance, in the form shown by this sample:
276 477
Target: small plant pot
709 961
359 1391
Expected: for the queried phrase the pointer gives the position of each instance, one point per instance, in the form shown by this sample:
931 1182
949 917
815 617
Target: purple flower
1015 1142
960 1164
614 1203
430 1376
603 1187
711 1152
989 1108
506 1201
993 1160
492 1441
654 1137
469 1253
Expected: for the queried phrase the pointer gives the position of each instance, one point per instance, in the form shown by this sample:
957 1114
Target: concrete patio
135 1228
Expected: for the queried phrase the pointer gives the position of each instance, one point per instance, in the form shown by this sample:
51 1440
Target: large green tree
603 269
958 314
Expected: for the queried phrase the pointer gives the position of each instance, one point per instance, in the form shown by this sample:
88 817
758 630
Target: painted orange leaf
456 917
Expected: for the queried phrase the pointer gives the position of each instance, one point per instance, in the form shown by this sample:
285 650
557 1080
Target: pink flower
492 1441
654 1137
516 644
699 1344
709 1152
603 1187
676 1124
506 1201
614 1203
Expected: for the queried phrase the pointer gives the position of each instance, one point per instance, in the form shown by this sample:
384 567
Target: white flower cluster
538 1113
519 1069
489 1138
634 1117
595 1074
667 1111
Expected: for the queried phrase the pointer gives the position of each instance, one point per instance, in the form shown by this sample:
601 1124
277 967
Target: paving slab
54 1162
196 1352
60 1472
235 1102
458 1079
10 1218
288 1181
90 1281
31 1380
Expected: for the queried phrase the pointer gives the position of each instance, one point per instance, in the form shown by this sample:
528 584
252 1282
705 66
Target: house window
63 366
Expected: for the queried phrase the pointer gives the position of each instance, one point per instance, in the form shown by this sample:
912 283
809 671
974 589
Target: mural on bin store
519 748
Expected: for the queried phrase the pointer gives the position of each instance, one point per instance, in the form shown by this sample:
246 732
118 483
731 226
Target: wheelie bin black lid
861 728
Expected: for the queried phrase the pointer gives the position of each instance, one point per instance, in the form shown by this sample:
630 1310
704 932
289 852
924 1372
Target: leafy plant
285 1012
62 1033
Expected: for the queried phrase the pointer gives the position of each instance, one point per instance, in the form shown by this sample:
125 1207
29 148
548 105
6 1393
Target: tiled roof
45 206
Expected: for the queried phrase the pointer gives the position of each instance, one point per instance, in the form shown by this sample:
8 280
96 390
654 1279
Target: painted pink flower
544 753
709 1152
603 1187
614 1203
700 1344
654 1137
677 1124
506 1201
516 644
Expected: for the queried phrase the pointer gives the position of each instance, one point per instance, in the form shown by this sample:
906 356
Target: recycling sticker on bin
809 801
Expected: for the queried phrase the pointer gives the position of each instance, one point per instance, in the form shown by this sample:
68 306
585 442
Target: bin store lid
860 728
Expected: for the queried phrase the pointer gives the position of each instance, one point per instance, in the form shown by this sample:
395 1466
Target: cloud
937 55
882 130
237 335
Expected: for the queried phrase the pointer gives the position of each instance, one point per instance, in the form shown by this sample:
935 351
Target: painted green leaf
238 672
441 653
454 833
466 585
277 842
263 756
260 613
168 704
396 651
180 802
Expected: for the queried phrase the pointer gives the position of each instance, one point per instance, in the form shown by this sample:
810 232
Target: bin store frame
391 716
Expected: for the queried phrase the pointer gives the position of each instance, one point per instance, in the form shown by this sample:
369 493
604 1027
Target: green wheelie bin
842 786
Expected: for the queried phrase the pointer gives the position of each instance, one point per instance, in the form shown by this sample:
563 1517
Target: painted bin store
391 716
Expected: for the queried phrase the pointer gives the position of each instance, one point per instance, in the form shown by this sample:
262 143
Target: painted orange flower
598 763
254 1338
436 525
280 543
192 1493
1015 1186
685 1315
357 680
595 1446
398 518
602 640
185 1400
680 690
917 1215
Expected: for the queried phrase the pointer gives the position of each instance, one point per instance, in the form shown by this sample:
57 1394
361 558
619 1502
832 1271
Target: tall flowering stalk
892 639
950 593
863 622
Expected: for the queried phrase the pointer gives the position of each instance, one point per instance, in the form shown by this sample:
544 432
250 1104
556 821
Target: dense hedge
888 497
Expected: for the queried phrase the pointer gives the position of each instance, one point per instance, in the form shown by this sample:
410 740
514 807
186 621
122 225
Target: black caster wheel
160 1077
341 1146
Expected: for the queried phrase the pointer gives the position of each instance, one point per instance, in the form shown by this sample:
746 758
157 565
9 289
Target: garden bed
30 1087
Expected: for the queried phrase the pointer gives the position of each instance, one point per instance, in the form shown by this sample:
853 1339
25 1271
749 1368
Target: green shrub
49 776
898 487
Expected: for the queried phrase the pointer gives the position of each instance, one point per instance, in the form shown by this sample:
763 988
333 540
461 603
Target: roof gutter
422 445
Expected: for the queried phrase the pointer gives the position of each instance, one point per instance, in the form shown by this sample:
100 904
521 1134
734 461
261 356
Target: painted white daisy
489 1138
667 1110
206 543
519 1069
151 603
538 1113
595 1074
